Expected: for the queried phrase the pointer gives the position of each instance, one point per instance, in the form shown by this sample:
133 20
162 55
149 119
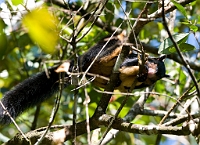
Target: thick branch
66 132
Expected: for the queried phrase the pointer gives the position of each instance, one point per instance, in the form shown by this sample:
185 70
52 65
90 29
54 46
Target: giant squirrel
41 86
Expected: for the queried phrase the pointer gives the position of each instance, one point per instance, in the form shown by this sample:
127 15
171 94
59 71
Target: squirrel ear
166 76
162 57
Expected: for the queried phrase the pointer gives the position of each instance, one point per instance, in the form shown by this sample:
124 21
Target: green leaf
42 28
184 47
186 23
150 99
109 13
166 47
193 28
17 2
180 8
3 40
160 26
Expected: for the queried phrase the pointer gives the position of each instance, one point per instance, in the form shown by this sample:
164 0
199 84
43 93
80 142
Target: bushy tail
29 93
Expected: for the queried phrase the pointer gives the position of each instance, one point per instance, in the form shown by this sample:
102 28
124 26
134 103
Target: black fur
88 57
30 92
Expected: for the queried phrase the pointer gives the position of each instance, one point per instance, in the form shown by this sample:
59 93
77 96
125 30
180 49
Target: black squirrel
41 86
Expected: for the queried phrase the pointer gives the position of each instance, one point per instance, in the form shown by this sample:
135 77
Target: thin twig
86 102
112 120
53 113
99 53
185 63
18 128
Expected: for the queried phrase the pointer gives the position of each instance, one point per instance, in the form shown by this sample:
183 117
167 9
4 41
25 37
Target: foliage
37 35
166 47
